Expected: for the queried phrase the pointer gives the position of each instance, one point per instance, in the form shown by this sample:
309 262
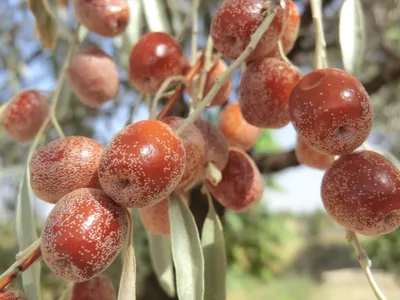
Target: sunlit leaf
46 24
156 15
186 251
352 35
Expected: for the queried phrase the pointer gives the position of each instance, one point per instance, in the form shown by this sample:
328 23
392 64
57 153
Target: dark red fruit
310 157
264 92
142 164
12 295
154 58
292 26
64 165
97 288
361 191
83 234
331 111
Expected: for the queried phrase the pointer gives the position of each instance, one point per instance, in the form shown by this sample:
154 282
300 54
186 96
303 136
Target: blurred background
283 248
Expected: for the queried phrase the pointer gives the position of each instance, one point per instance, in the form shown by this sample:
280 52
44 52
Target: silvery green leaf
156 15
352 35
127 286
46 23
186 251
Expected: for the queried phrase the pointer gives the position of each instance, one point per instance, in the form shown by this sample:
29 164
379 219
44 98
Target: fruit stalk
320 60
195 30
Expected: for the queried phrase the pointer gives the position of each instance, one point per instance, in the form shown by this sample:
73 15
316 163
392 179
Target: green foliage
266 142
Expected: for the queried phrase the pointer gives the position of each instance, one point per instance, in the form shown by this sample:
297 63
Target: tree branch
271 163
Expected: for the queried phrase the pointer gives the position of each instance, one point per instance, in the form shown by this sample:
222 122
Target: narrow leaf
352 35
161 259
186 251
155 12
215 265
27 234
46 24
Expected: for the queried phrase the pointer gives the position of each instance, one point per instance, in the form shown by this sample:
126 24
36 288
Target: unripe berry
93 76
12 295
64 165
361 191
310 157
264 92
235 128
24 115
142 164
154 58
83 234
105 17
331 111
292 26
97 288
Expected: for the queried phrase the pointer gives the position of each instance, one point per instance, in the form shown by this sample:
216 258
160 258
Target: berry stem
320 60
23 261
255 38
195 30
365 263
213 174
186 22
134 108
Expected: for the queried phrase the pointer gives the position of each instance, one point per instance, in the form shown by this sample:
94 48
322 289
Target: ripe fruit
155 218
83 234
154 58
106 18
12 295
236 129
241 183
24 115
310 157
142 164
361 191
237 20
292 26
331 111
93 76
264 92
97 288
194 150
64 165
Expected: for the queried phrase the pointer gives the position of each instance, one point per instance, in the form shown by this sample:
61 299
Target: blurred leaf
266 142
46 24
352 35
186 251
161 259
127 286
156 15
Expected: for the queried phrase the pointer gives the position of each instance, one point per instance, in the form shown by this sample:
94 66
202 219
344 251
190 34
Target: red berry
292 26
236 21
241 183
194 149
331 111
154 58
106 18
93 76
24 115
83 234
12 295
361 191
236 129
64 165
97 288
310 157
142 164
264 92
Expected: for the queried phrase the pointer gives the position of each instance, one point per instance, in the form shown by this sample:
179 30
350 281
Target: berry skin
235 128
264 92
91 86
83 234
331 111
12 295
241 183
24 115
310 157
106 18
155 218
292 26
154 58
142 164
361 192
237 20
194 150
97 288
64 165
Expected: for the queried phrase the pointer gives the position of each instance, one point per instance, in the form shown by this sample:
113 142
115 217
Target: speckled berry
292 26
12 295
312 158
97 288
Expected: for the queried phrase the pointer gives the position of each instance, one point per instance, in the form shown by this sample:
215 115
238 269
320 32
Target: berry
235 128
24 115
12 295
236 21
194 149
241 183
83 234
264 92
361 191
142 164
106 18
310 157
64 165
292 26
97 288
154 58
331 111
92 86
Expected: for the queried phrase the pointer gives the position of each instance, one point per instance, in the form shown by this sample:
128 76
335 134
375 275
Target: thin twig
320 59
195 30
186 22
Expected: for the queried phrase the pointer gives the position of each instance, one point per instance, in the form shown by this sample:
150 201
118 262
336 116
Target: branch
387 74
271 163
